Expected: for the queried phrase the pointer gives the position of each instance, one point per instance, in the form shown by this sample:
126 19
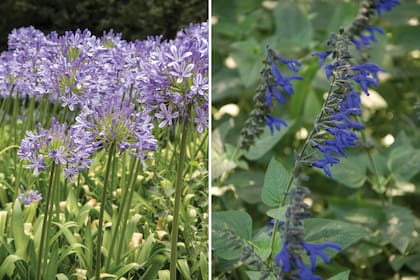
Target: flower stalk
111 153
178 191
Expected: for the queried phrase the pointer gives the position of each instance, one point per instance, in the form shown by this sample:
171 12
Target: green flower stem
197 150
123 205
298 159
5 105
102 210
178 190
54 193
28 123
45 223
9 148
126 210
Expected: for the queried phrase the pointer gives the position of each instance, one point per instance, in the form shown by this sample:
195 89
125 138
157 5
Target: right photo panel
315 143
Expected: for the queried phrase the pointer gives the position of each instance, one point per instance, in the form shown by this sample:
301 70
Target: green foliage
373 196
275 184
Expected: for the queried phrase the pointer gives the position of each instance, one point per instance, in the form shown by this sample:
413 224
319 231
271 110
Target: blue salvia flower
317 250
275 87
364 40
276 84
359 32
385 5
289 257
335 129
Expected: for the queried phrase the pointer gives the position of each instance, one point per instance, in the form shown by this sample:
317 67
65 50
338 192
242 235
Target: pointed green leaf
153 268
302 89
184 269
275 185
398 227
342 233
21 240
237 222
266 142
351 171
293 27
247 54
341 276
404 163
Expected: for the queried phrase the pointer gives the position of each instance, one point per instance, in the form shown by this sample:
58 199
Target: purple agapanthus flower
117 122
29 197
57 145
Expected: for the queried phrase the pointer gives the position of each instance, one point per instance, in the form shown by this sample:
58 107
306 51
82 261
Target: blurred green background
241 29
135 19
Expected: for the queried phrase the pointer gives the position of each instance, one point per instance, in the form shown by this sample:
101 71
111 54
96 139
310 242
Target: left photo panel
104 140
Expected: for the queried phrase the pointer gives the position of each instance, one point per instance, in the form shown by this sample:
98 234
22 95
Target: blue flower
283 258
273 122
366 39
271 223
317 250
292 64
305 272
386 5
321 57
328 70
327 160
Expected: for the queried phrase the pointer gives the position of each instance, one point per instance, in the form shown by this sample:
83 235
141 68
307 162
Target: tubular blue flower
292 64
321 57
273 122
305 272
317 250
385 5
364 40
327 161
282 259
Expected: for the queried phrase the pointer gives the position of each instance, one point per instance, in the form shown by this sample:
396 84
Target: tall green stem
123 205
300 156
44 223
127 209
178 190
101 212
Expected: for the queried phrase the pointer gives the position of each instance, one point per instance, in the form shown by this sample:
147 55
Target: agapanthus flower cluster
58 145
30 196
275 87
176 73
77 68
116 121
